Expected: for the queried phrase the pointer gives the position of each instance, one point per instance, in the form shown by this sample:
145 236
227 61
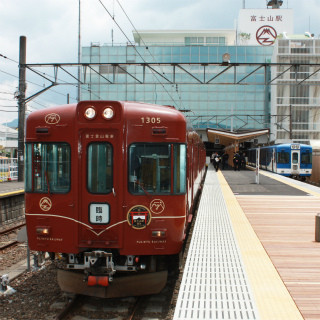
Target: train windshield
306 157
150 168
283 157
48 167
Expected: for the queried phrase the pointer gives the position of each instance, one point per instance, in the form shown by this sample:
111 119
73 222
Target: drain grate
214 284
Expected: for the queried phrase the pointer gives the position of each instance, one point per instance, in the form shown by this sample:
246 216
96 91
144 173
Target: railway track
8 236
11 228
7 244
131 308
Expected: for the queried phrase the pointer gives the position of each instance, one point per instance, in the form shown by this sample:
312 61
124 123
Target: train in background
110 187
290 160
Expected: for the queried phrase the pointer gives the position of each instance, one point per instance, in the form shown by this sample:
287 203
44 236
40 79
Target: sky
51 29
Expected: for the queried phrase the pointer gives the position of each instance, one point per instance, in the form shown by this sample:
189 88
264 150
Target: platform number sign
99 213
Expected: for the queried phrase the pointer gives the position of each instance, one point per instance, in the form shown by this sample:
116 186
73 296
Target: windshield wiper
141 186
48 182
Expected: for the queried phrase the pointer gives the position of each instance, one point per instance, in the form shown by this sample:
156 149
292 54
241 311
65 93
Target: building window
300 119
302 72
213 41
299 94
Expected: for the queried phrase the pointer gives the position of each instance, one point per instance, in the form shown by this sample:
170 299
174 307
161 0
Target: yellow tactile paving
271 296
16 192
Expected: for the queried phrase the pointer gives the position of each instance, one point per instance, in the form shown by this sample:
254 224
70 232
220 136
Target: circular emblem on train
266 35
52 118
157 206
139 217
45 204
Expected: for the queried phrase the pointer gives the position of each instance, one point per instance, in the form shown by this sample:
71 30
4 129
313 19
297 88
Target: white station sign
262 26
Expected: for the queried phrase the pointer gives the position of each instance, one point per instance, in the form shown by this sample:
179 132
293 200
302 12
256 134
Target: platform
11 188
252 253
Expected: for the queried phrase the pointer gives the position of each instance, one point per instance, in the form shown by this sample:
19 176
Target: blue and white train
291 159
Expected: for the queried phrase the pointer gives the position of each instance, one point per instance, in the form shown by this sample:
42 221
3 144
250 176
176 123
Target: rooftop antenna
243 4
309 24
113 20
276 4
112 36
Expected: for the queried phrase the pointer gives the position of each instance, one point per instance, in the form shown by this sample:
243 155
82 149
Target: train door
190 176
100 170
295 160
274 165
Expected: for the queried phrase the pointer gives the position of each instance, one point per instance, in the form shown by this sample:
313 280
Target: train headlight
43 231
158 234
90 113
108 113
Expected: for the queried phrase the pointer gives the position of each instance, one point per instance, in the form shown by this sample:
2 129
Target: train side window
150 168
99 161
180 168
48 167
283 157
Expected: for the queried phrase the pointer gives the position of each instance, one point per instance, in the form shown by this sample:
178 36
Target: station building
211 96
211 105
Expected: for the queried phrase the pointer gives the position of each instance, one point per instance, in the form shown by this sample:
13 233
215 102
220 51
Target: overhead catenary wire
5 57
117 24
153 57
49 76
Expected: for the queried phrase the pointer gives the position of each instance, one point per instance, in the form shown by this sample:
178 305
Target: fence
8 169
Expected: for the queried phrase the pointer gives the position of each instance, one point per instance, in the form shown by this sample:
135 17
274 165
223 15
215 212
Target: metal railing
8 169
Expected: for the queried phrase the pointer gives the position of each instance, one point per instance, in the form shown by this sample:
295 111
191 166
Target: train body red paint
110 185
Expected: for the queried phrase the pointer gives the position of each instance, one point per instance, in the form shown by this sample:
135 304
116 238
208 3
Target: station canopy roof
226 138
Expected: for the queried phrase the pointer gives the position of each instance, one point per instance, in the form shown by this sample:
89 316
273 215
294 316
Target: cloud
51 28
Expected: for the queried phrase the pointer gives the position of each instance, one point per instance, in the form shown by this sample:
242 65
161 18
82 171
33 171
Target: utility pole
290 122
79 50
21 107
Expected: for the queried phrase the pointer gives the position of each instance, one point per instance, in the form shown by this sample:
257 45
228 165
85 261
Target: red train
111 186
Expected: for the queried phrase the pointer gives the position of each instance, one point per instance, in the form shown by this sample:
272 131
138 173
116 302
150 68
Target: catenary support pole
21 107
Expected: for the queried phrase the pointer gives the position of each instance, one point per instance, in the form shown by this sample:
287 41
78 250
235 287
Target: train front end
106 188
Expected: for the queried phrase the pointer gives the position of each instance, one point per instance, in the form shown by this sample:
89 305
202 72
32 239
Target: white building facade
295 95
8 141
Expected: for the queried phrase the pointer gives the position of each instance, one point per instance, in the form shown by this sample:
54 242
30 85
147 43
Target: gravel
35 290
35 293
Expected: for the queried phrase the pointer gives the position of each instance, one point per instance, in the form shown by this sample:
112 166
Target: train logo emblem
52 118
45 204
139 217
266 35
157 206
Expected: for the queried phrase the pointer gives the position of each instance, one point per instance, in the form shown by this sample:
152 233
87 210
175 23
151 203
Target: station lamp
226 59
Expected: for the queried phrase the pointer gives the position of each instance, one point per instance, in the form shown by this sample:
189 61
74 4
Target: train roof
284 145
141 106
137 113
